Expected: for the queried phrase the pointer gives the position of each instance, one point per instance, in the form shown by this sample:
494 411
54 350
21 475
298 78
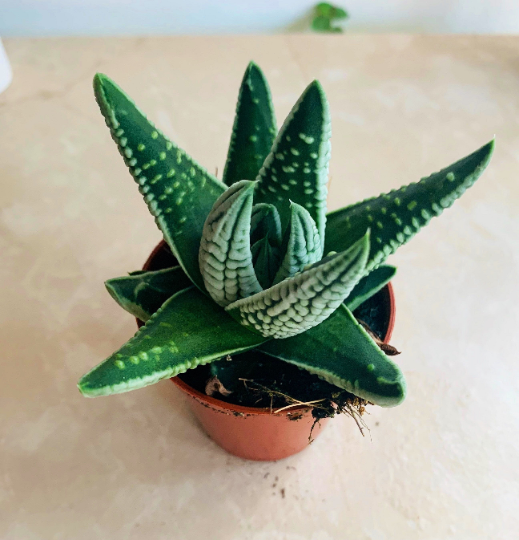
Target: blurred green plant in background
325 15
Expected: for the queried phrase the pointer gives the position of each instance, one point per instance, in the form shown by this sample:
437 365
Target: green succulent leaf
297 167
265 258
341 352
142 293
302 244
265 222
397 216
225 254
370 285
305 300
188 330
178 191
254 128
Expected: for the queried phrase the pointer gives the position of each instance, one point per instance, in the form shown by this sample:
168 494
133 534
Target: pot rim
257 411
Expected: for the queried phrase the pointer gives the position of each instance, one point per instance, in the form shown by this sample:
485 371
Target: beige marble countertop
136 466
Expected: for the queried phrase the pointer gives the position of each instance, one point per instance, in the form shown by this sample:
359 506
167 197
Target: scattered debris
386 347
214 386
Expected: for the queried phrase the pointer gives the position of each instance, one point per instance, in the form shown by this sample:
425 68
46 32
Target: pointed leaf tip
188 330
488 150
252 66
254 128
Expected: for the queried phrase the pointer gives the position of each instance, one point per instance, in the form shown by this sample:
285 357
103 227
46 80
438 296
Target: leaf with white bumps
305 300
225 255
342 353
254 128
188 330
395 217
178 191
297 167
302 244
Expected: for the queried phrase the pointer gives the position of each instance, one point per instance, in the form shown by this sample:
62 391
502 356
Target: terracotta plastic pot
248 432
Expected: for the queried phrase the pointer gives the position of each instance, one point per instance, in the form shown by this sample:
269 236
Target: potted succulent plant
248 303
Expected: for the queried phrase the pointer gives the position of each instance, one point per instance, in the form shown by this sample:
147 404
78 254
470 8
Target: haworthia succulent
297 167
305 300
178 191
305 311
369 285
225 254
188 330
265 258
254 128
265 222
397 216
341 352
302 244
142 293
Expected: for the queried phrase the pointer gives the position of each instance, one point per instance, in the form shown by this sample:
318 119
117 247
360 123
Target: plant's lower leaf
369 285
305 300
178 191
254 128
225 255
341 352
395 217
188 330
142 293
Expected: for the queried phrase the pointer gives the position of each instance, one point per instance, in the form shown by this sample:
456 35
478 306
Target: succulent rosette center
277 296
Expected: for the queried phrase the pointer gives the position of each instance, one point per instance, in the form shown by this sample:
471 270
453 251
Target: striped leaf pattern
225 254
302 246
265 222
305 300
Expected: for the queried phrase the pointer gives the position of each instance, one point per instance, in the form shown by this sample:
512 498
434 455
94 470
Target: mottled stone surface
443 465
